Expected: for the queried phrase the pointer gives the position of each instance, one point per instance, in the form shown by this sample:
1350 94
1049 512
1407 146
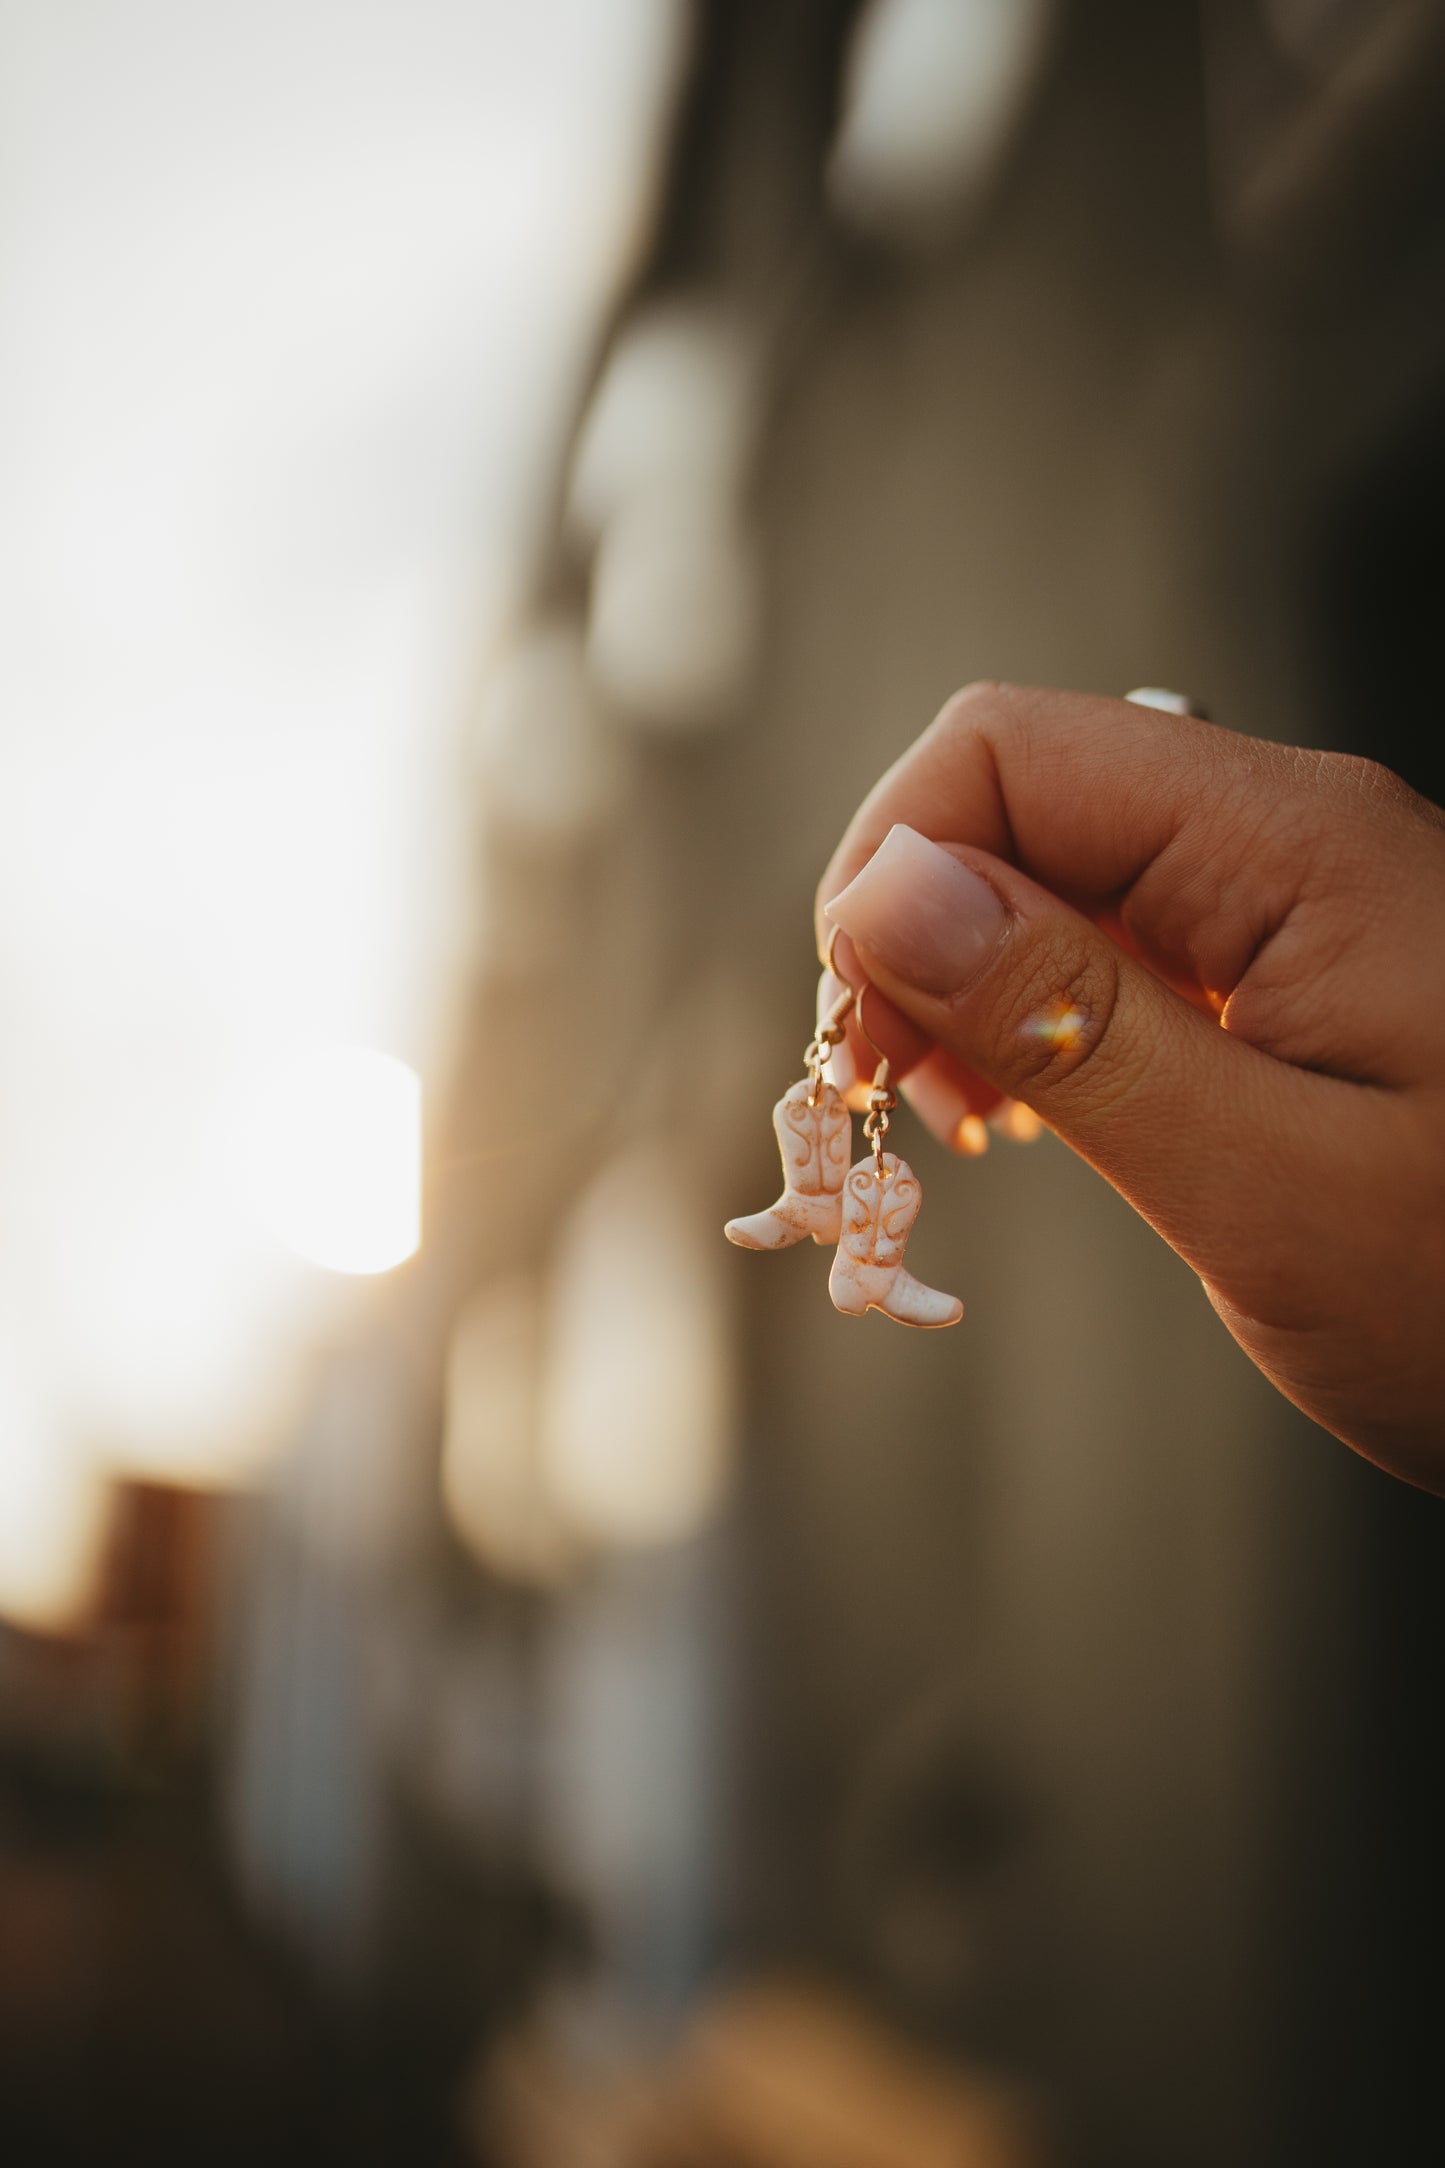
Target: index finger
1087 795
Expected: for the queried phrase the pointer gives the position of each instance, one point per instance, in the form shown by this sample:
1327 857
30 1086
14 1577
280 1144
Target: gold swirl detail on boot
868 1272
815 1137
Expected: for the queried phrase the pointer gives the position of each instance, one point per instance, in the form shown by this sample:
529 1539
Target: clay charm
815 1136
881 1198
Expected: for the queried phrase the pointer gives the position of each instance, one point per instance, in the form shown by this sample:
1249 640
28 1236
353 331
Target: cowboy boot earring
815 1136
881 1197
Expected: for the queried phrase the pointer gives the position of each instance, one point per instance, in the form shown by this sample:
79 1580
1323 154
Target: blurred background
489 1674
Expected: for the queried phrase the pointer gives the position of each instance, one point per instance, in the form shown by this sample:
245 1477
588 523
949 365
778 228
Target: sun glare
329 1157
50 1513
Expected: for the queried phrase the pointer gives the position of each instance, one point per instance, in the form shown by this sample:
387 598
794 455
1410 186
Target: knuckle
995 718
1353 785
978 689
1286 1001
985 700
1357 777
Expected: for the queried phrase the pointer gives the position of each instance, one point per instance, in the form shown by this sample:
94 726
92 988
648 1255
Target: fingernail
841 1069
924 915
1015 1120
942 1106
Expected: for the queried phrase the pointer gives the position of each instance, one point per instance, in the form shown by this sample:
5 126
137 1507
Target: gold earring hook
831 1028
883 1073
855 1002
882 1099
855 996
830 962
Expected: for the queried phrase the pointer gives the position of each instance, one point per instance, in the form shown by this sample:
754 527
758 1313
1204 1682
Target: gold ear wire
882 1076
830 1031
882 1099
830 963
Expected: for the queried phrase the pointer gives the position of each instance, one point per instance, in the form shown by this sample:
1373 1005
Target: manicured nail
928 918
942 1106
1014 1119
842 1070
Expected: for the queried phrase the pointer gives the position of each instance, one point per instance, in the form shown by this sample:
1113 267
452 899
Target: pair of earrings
868 1210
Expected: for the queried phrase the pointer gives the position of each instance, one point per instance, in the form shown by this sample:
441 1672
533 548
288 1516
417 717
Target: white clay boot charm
815 1136
881 1198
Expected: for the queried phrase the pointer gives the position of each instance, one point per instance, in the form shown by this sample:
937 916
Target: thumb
1208 1137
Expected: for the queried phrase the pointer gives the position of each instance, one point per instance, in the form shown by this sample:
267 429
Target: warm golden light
1060 1025
248 575
51 1506
637 1413
330 1157
493 1485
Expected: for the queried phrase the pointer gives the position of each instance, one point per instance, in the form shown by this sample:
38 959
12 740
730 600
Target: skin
1249 942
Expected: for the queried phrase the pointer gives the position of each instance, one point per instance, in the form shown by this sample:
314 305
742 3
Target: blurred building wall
1076 1561
1049 1684
1028 1669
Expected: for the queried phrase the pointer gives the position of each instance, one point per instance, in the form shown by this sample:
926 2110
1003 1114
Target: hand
1216 968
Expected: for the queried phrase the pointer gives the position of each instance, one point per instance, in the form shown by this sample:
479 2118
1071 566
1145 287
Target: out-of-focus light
493 1483
51 1513
1061 1025
638 1398
1013 1119
330 1157
279 438
657 483
932 94
677 406
675 610
548 767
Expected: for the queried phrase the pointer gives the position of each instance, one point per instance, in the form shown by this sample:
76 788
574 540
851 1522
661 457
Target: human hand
1215 967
